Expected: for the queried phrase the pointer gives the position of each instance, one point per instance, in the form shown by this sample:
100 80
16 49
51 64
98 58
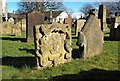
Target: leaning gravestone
52 44
115 28
78 25
90 38
102 17
33 18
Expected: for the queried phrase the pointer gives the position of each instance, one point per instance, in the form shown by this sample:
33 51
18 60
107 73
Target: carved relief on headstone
33 18
78 25
115 28
102 16
52 44
90 38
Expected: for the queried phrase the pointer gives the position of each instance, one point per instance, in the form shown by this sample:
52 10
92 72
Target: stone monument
23 24
52 44
90 38
78 25
102 17
115 28
32 19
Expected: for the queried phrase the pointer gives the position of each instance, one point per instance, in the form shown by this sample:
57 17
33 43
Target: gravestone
33 18
90 38
52 44
11 20
23 24
102 17
8 28
0 18
115 28
17 29
68 21
78 25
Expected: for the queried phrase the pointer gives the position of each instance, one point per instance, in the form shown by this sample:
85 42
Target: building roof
54 14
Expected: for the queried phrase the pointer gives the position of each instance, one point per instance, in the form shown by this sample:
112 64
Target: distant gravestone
90 38
68 21
115 29
78 25
23 24
0 18
11 20
8 28
102 17
52 44
33 18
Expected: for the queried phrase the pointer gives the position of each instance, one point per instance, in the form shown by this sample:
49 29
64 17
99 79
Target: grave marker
90 38
52 44
33 18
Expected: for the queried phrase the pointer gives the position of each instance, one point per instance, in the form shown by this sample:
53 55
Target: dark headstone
115 29
32 19
102 17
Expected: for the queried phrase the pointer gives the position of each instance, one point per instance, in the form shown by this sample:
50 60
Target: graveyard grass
18 61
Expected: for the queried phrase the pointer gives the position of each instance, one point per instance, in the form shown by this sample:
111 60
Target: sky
74 6
71 5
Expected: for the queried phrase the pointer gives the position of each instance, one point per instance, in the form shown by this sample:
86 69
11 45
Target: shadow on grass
32 51
93 75
74 37
106 38
19 62
75 53
14 39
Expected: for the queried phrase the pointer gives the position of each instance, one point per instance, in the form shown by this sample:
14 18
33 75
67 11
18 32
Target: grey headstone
90 38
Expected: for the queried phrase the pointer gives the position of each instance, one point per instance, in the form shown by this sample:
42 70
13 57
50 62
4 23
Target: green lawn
18 62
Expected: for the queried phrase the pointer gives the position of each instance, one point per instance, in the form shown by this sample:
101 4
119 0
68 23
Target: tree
26 7
111 7
86 8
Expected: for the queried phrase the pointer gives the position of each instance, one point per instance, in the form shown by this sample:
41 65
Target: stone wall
52 44
90 38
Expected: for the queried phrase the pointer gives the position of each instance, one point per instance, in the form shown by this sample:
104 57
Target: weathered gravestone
11 20
33 18
68 21
78 25
23 24
0 18
102 17
52 44
115 28
90 38
8 28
